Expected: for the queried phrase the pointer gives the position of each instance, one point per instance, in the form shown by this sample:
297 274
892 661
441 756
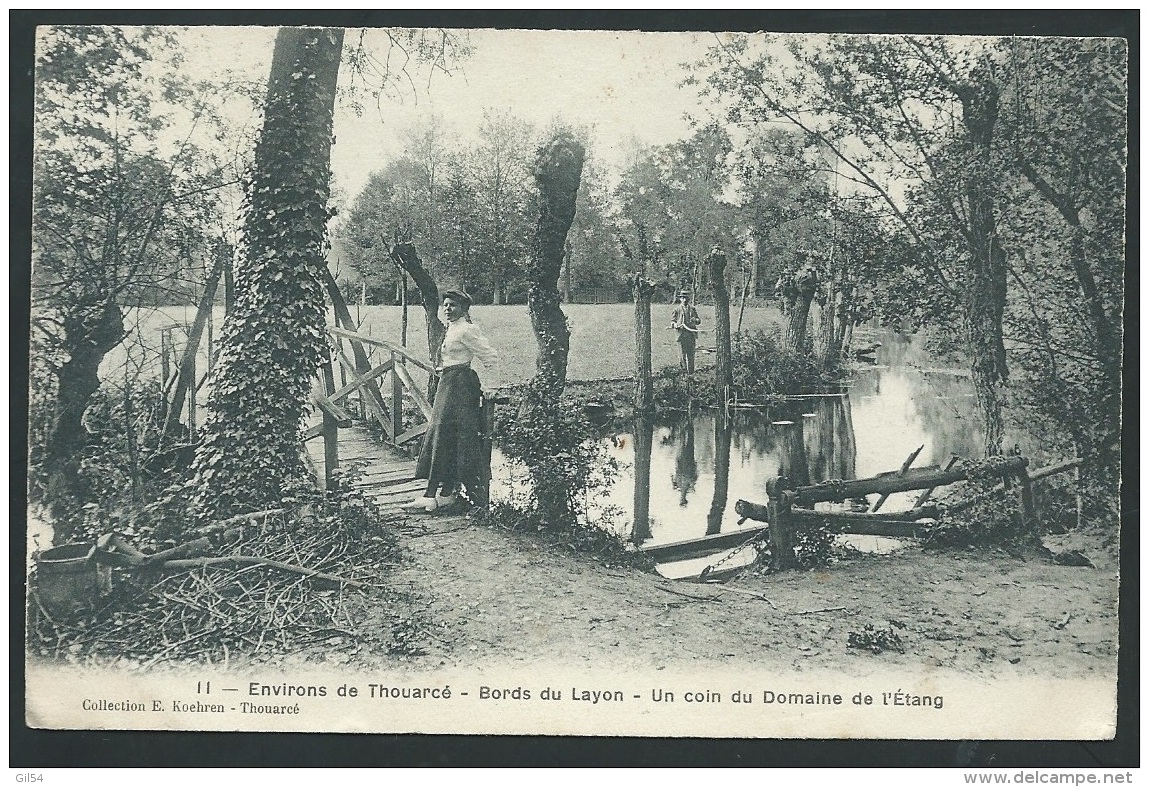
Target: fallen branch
262 561
824 609
687 595
750 593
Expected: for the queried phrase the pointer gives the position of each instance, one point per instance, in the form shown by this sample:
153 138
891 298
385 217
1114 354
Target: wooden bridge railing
363 395
379 394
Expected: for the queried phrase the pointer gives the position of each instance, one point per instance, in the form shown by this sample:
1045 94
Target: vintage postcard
601 383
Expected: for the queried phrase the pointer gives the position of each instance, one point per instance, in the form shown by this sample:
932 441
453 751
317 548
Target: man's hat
683 294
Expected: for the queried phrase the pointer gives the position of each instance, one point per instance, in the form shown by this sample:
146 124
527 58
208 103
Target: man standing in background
685 320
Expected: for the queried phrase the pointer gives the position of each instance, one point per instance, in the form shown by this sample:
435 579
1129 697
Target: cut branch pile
249 598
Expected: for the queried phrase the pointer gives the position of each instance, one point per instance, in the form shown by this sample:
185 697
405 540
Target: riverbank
498 599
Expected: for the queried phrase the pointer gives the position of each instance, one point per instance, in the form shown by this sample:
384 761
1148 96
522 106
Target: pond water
681 473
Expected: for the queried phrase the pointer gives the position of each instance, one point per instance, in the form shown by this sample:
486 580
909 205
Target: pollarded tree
274 339
557 172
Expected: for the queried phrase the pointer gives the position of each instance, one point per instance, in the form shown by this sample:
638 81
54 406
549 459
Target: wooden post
190 366
1027 515
403 297
644 380
330 433
396 398
781 543
165 357
481 496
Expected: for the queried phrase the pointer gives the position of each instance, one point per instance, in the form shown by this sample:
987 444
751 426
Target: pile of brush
264 584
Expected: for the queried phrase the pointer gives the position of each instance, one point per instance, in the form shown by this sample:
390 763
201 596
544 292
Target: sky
624 84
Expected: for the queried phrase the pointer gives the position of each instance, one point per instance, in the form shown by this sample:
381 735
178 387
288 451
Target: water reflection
722 432
643 439
685 464
683 471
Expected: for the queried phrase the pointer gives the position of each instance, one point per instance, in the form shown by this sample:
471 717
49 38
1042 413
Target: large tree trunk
89 335
724 372
558 169
644 378
984 297
798 292
557 172
274 340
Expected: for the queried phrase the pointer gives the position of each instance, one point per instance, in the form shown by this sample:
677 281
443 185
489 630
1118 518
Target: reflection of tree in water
831 450
722 430
643 439
792 461
757 436
685 464
950 415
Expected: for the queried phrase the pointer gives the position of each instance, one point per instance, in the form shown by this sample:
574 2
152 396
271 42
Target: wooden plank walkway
387 475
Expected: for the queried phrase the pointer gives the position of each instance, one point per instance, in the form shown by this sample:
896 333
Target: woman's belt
465 365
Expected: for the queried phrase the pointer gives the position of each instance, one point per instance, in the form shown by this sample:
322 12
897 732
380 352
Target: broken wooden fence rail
789 508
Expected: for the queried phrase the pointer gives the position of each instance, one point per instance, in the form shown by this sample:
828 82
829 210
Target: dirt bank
499 598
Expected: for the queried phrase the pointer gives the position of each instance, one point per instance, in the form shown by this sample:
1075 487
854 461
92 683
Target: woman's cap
458 295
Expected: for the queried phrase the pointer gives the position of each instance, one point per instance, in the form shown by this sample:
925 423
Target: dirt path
502 598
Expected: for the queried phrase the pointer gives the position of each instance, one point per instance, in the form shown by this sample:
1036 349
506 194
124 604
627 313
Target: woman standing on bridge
451 448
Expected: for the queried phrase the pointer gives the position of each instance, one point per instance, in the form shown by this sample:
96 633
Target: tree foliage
994 172
118 211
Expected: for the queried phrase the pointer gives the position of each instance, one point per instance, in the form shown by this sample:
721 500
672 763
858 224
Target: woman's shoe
446 501
421 503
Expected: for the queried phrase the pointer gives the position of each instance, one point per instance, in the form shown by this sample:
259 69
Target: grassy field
602 337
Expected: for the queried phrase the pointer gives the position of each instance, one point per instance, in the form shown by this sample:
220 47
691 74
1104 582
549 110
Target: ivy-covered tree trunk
558 170
724 371
984 297
274 339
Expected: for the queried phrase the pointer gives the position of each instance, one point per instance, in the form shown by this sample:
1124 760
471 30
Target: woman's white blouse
463 342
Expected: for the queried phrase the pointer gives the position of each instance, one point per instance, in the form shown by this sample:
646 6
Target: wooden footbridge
371 408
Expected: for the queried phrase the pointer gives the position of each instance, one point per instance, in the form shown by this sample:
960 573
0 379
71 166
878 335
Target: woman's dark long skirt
452 445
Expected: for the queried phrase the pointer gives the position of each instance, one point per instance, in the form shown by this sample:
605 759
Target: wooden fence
790 508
